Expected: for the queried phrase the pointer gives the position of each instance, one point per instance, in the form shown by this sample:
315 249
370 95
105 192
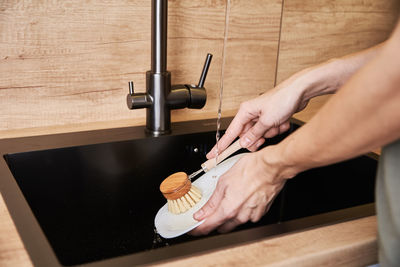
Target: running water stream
221 88
158 241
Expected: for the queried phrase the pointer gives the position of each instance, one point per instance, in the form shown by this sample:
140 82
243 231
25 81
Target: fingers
266 203
258 203
216 211
229 215
253 209
225 212
254 134
228 226
284 126
272 132
242 194
251 139
259 211
252 129
257 144
222 141
221 215
277 130
242 217
247 127
242 120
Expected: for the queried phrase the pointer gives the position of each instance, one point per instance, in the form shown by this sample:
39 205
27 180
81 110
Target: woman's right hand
265 116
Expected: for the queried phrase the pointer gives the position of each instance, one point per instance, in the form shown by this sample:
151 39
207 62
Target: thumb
253 134
212 204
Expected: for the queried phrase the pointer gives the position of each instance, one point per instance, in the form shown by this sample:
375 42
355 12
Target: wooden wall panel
250 65
252 49
64 63
69 62
314 31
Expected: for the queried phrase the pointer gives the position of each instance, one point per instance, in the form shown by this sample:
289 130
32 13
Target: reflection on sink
96 202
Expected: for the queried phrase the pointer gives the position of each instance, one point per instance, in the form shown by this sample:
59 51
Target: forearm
363 115
328 77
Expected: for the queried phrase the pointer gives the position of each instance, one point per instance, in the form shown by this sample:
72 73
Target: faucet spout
159 26
161 97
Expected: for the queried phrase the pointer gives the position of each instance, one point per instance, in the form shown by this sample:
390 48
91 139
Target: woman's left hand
244 193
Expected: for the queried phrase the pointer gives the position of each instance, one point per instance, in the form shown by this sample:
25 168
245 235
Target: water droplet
158 240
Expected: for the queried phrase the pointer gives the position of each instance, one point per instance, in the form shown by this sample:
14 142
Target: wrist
322 79
277 164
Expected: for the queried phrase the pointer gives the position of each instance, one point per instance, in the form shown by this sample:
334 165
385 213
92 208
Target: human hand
265 116
244 193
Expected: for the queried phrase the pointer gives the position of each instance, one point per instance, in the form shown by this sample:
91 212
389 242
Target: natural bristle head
175 186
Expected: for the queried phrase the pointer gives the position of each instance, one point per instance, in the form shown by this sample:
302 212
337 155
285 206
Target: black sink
96 202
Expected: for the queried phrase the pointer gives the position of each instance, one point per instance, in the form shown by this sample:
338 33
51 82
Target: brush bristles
186 202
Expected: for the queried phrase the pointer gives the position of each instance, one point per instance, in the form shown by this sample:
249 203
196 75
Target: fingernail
246 142
197 216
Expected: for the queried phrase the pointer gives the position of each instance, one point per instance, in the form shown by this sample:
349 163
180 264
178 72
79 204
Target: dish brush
181 195
178 189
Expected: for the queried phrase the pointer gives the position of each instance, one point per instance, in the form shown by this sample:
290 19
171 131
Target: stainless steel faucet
161 96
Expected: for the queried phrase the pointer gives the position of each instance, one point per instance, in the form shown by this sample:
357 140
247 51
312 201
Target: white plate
171 225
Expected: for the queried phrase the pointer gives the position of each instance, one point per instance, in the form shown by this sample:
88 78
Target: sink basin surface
96 202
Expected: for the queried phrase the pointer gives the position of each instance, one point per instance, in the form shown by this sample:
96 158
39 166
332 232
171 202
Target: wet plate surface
171 225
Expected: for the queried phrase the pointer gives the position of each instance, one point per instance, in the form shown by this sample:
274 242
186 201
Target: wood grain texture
351 243
12 250
314 31
70 63
252 49
67 63
80 127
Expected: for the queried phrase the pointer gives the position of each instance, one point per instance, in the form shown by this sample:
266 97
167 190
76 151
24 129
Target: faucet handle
197 93
131 88
205 70
138 100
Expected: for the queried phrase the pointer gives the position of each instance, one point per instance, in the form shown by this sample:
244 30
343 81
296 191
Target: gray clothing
388 205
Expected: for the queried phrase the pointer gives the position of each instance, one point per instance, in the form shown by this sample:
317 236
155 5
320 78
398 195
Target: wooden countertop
352 243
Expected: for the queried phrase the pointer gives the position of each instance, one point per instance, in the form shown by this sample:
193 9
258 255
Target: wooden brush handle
211 163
